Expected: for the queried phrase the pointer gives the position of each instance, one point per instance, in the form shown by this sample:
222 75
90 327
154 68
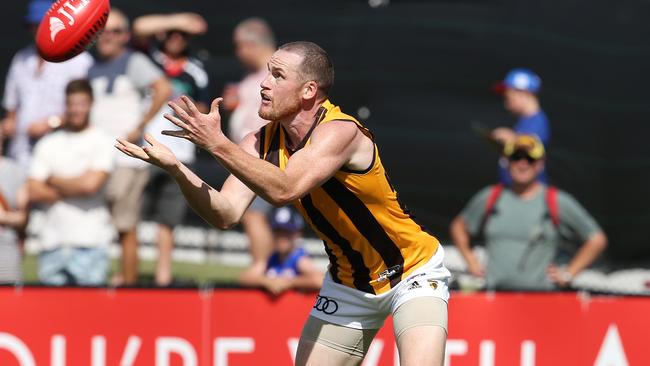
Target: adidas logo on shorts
414 285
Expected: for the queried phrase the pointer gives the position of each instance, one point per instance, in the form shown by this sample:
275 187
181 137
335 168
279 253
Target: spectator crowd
61 121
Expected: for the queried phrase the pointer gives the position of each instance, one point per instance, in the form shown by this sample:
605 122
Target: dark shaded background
424 70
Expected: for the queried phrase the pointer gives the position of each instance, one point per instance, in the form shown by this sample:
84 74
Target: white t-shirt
77 221
36 93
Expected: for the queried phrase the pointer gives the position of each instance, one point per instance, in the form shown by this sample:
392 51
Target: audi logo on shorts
326 305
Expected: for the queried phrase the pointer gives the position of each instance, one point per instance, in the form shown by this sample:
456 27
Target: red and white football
69 27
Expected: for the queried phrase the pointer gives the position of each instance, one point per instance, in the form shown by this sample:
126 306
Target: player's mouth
265 98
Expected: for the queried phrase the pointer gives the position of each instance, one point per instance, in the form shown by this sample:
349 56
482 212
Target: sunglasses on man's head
519 155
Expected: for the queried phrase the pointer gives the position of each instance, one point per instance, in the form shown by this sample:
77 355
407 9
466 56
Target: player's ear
310 89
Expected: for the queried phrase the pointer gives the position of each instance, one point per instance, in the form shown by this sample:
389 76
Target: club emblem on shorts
326 305
414 285
433 284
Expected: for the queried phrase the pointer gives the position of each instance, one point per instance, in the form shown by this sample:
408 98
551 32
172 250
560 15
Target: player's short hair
79 86
316 63
256 30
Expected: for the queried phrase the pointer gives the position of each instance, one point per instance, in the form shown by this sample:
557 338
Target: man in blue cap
520 88
34 91
289 266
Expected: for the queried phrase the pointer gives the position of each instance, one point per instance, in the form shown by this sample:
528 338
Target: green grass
185 273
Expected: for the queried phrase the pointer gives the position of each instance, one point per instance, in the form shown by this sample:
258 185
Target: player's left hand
157 153
202 129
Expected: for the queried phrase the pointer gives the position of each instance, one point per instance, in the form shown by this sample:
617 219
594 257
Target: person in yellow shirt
326 164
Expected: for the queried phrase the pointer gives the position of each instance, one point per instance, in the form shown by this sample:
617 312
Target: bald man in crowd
254 45
129 91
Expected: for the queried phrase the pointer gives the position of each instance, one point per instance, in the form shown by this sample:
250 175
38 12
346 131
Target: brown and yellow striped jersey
371 239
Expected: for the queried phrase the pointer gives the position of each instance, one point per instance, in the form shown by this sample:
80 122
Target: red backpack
495 192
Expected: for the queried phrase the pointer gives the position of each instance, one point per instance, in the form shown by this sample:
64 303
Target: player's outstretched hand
156 153
202 129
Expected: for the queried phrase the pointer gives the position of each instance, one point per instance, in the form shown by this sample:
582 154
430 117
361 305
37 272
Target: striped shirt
371 238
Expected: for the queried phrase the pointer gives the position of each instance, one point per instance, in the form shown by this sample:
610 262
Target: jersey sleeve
474 211
575 219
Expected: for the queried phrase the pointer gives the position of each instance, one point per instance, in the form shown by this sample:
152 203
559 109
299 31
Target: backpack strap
552 205
493 197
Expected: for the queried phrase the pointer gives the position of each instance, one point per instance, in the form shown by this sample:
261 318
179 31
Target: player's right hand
156 153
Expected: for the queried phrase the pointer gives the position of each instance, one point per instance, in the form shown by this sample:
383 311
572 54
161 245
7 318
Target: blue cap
36 10
523 79
285 218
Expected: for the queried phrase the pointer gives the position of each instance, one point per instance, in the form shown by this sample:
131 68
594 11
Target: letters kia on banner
98 327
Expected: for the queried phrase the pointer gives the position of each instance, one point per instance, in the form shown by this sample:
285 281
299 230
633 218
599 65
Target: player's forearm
587 253
262 177
206 201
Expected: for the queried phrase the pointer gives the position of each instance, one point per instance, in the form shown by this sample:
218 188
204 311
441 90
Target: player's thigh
324 343
420 326
422 346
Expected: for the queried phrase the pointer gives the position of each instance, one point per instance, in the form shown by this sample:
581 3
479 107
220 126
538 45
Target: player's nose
265 83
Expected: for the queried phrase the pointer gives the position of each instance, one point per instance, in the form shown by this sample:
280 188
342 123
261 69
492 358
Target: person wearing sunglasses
129 91
537 237
520 89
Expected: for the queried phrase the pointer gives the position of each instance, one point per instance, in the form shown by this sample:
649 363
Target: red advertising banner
99 327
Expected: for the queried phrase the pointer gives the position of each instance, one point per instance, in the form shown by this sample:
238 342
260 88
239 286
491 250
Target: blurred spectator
254 45
67 176
164 203
129 92
520 88
13 218
524 226
289 266
33 97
